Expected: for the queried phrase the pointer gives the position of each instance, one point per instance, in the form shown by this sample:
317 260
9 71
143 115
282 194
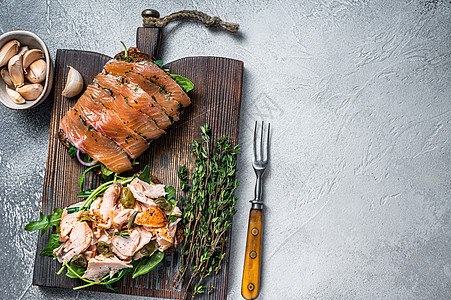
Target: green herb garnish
124 234
158 63
53 243
146 264
185 83
46 221
72 151
209 208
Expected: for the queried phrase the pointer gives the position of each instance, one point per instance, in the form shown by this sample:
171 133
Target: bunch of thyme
209 208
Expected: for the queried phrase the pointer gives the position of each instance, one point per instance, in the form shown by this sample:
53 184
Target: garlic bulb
74 83
16 71
36 71
6 77
30 56
30 91
15 96
8 50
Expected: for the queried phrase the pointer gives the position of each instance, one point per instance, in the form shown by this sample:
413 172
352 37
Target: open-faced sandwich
130 103
125 226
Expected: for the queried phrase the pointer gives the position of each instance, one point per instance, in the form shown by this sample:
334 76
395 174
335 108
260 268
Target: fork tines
262 153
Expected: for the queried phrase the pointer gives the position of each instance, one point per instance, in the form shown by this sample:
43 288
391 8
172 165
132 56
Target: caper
104 248
84 216
127 199
163 203
148 249
131 221
79 261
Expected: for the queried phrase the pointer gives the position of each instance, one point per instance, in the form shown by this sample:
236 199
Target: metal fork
250 286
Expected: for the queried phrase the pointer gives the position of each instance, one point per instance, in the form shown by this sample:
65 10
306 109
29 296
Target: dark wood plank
216 100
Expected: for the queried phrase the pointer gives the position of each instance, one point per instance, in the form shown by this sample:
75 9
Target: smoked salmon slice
138 122
136 96
127 105
108 122
152 72
94 143
168 103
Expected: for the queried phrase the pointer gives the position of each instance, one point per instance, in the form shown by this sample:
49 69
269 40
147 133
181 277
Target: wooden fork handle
250 287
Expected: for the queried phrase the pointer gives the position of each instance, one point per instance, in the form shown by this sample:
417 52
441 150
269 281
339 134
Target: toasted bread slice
134 54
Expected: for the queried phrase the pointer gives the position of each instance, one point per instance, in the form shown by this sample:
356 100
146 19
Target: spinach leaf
119 275
46 222
158 63
173 218
146 264
185 83
145 175
52 245
80 271
72 151
107 174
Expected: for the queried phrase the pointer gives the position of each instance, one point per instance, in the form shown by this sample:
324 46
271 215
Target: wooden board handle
251 274
148 40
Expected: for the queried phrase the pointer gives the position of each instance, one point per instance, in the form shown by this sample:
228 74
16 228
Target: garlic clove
6 78
30 91
30 56
23 49
74 83
36 71
15 96
16 70
8 50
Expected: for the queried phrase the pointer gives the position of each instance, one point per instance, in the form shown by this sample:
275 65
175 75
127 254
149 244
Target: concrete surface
358 94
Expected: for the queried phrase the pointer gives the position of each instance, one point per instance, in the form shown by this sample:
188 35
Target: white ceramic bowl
27 38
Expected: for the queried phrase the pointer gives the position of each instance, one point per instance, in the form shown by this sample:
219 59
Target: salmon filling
123 225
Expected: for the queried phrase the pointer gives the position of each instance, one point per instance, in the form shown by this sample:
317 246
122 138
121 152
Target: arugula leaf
53 243
145 175
72 151
82 177
146 264
46 222
185 83
79 270
158 63
170 190
85 194
72 210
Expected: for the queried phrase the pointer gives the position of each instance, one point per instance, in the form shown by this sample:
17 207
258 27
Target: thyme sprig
209 208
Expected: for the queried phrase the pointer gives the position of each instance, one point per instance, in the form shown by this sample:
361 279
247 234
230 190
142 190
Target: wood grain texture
250 287
216 100
148 40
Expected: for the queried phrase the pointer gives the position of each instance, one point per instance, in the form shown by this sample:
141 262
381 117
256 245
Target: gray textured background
358 93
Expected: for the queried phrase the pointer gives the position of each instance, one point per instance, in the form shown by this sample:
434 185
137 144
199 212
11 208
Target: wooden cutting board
216 100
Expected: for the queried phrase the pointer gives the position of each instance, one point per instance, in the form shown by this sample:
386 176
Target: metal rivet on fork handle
253 254
250 287
254 231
